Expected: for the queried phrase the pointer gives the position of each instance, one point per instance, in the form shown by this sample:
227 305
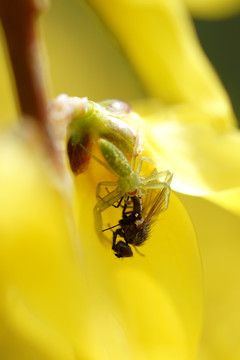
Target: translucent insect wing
154 203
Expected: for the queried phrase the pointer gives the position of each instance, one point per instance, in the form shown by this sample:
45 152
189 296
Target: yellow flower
63 295
66 297
194 132
213 8
193 117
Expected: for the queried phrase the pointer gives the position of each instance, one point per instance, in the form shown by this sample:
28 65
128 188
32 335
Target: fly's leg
117 233
124 213
119 202
121 249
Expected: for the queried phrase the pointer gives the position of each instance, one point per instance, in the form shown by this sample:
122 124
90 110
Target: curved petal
213 9
203 160
228 199
96 67
57 299
42 289
7 109
218 232
157 296
161 43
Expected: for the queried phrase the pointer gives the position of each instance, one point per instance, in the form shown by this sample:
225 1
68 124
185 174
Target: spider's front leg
166 175
119 203
104 184
140 163
101 205
164 187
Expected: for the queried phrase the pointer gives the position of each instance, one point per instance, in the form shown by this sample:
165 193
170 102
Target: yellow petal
84 37
7 108
63 301
161 43
40 296
213 9
157 297
218 233
228 199
203 160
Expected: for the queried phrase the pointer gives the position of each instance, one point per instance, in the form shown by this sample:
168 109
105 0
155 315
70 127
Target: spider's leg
134 154
141 160
104 183
102 205
164 186
120 200
96 158
166 175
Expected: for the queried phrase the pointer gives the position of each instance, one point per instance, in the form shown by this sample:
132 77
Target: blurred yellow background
83 59
72 66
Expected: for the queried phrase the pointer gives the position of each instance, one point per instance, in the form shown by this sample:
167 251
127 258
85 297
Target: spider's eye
122 249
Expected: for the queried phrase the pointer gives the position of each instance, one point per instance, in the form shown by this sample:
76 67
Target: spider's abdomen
115 158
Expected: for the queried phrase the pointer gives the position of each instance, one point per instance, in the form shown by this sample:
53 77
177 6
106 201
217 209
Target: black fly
130 229
136 223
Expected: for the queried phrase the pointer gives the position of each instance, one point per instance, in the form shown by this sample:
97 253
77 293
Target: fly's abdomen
115 158
142 235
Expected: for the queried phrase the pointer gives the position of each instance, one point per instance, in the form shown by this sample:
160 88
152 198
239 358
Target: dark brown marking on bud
79 158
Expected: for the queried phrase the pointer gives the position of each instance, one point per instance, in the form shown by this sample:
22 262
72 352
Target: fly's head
121 250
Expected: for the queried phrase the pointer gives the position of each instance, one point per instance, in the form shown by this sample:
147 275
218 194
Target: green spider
129 182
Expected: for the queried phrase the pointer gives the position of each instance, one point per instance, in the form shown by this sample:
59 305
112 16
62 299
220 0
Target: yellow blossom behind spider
206 103
192 117
213 9
67 297
192 124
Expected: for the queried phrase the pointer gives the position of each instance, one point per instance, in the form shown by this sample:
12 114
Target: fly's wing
154 203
